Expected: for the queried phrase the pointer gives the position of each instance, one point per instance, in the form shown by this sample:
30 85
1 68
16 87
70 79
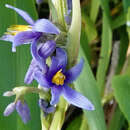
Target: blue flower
57 79
21 108
24 34
38 63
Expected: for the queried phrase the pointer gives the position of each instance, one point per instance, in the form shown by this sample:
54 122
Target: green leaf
89 28
121 86
104 54
86 84
75 123
84 125
124 42
126 4
95 4
119 21
117 120
13 67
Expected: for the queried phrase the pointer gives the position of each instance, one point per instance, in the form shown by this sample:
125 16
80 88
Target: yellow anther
58 78
14 29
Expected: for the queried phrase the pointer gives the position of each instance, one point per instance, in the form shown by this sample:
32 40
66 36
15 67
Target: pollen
14 29
58 78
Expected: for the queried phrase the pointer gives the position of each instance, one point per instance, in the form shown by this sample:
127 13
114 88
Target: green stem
45 124
74 33
59 115
84 125
44 120
61 11
22 90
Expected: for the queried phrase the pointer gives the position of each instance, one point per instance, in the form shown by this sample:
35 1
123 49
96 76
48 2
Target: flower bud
23 111
46 107
47 49
9 109
8 93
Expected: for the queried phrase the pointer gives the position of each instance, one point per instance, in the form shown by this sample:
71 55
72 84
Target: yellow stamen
14 29
58 78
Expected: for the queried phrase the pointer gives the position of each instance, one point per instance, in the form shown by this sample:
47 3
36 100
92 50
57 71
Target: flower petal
22 13
24 37
55 92
41 79
30 73
74 72
9 38
77 99
58 62
47 49
9 109
44 25
34 52
69 4
6 37
23 111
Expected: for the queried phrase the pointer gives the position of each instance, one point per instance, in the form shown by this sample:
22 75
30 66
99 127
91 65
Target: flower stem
74 33
59 115
60 6
45 124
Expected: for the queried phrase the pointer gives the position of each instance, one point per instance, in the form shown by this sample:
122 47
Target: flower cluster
54 76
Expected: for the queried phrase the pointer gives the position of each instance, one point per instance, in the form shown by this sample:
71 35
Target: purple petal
6 37
44 25
36 57
9 109
23 111
9 38
77 99
62 57
30 73
68 19
22 13
24 37
44 105
41 79
47 49
69 4
39 2
50 109
74 72
58 62
55 92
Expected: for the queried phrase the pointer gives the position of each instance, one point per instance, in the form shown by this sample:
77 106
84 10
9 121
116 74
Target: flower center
14 29
58 78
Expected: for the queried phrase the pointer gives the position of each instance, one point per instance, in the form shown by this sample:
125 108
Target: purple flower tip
23 111
9 109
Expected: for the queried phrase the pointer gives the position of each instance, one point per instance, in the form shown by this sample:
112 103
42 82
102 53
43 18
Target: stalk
74 33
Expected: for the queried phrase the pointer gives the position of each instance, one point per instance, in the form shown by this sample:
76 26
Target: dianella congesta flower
24 34
57 79
21 108
38 62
